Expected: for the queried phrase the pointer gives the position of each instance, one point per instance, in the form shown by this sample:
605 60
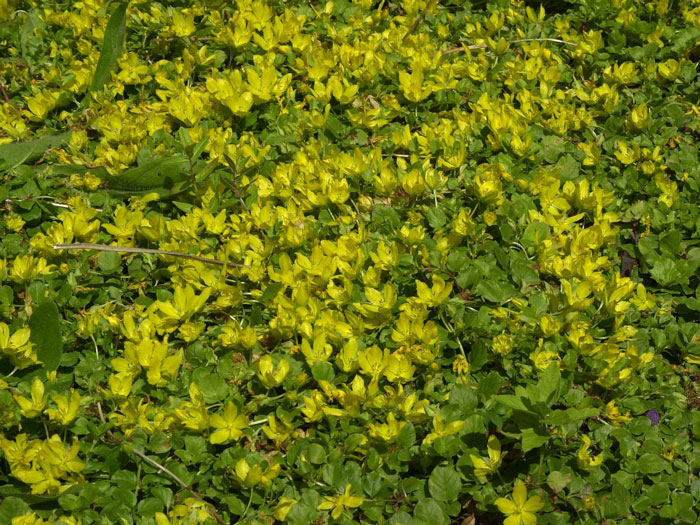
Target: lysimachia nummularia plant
395 262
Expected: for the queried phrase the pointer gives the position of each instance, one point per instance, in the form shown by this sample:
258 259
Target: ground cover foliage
470 236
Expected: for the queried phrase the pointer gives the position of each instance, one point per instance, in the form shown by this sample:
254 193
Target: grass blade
112 47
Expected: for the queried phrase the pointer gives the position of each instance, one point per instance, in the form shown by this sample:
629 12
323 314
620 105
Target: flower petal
534 504
512 520
519 494
528 518
506 506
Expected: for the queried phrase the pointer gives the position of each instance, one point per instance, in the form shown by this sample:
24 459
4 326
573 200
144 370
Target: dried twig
4 94
129 249
179 481
420 17
160 467
484 46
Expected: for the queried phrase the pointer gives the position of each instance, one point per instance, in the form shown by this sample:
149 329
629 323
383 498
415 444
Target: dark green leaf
159 175
46 334
112 47
17 153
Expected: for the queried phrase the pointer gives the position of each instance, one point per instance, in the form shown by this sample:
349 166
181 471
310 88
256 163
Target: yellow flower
278 429
252 476
589 503
482 467
521 510
67 411
669 452
17 346
268 375
320 351
230 425
26 267
460 365
436 295
442 430
284 505
614 415
14 222
183 24
503 344
387 432
193 413
338 504
34 407
29 519
670 70
585 460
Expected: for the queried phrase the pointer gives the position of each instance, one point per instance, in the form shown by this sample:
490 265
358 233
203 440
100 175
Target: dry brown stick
4 94
161 468
420 17
484 46
129 249
179 481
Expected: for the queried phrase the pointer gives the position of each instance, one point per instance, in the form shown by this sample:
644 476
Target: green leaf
522 272
652 464
436 218
32 22
559 480
670 243
112 47
548 386
495 291
304 511
532 440
109 262
669 272
535 233
407 436
322 371
571 415
385 219
213 387
444 484
12 507
18 153
11 492
234 504
316 454
568 168
270 292
159 175
46 334
465 398
514 402
428 512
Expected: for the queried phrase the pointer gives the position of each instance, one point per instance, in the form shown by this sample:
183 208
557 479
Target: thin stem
420 17
250 500
161 468
11 373
130 249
